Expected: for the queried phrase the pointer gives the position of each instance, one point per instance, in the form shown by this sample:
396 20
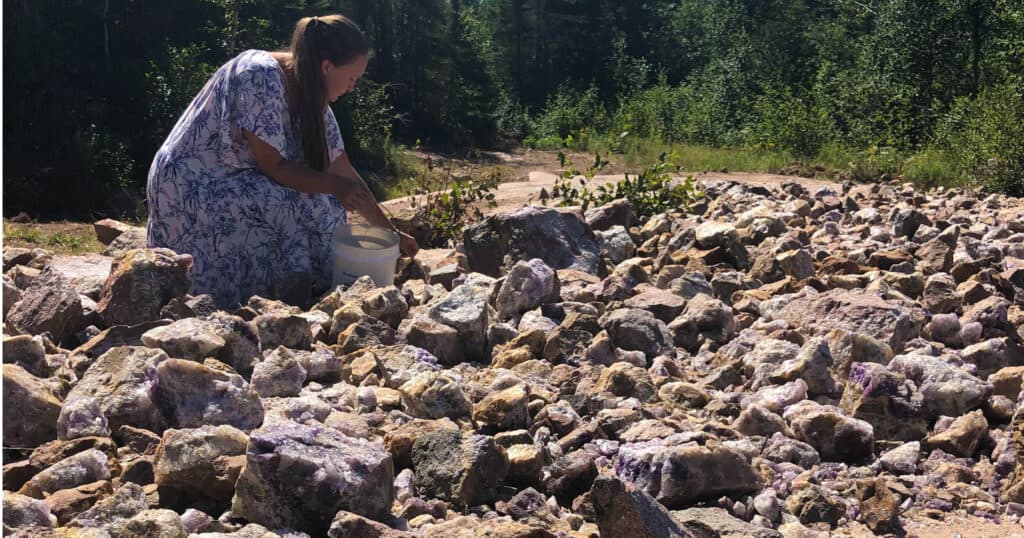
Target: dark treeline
93 87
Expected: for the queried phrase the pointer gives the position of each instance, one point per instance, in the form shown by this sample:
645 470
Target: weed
446 204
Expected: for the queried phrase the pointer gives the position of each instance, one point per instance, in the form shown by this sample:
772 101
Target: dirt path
533 171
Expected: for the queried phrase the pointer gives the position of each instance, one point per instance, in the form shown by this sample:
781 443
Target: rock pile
786 363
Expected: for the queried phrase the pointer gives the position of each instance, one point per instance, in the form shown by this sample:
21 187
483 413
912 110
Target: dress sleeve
335 144
255 102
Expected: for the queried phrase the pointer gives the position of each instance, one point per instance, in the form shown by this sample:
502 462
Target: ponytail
334 38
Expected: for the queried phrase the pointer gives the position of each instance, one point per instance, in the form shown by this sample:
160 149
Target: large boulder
123 380
561 238
528 285
141 282
461 469
466 310
50 304
854 310
678 476
946 388
887 400
191 395
31 408
299 476
624 510
834 435
203 461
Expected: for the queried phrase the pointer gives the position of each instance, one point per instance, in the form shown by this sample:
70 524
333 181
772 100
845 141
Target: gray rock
908 221
386 304
782 449
130 239
834 435
946 389
461 469
86 273
528 285
436 338
189 338
31 408
704 319
812 364
434 395
75 470
241 341
12 294
280 373
722 523
638 330
283 329
22 511
82 417
300 476
204 461
348 525
141 282
465 309
624 510
616 243
191 395
123 380
992 355
681 475
615 213
28 352
902 459
562 239
50 304
160 523
756 420
113 512
887 400
854 310
570 475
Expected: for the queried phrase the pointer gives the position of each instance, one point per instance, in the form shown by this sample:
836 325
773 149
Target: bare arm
351 192
341 180
342 167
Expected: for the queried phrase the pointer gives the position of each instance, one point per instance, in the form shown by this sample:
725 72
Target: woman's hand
407 245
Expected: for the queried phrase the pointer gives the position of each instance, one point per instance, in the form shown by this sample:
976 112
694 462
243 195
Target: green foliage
650 192
569 112
930 168
789 124
985 138
173 87
653 191
448 203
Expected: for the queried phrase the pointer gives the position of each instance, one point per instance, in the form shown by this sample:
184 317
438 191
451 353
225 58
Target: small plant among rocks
445 202
650 192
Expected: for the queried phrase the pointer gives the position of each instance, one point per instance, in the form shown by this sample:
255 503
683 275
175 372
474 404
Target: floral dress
248 234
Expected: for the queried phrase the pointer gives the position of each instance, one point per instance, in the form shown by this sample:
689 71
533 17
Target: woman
253 178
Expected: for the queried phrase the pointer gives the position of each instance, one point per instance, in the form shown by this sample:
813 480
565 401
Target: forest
928 90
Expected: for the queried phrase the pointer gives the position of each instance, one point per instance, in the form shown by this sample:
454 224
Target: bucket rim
383 233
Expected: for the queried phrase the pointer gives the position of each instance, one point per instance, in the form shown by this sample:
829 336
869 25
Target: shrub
984 137
650 192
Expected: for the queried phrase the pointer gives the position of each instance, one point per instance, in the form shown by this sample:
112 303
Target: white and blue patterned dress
248 234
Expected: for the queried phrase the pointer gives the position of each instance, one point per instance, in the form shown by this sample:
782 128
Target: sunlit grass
59 238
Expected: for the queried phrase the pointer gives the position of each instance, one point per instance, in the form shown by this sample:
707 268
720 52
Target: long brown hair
334 38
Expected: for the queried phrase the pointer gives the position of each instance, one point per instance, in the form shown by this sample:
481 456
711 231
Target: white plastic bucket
362 249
